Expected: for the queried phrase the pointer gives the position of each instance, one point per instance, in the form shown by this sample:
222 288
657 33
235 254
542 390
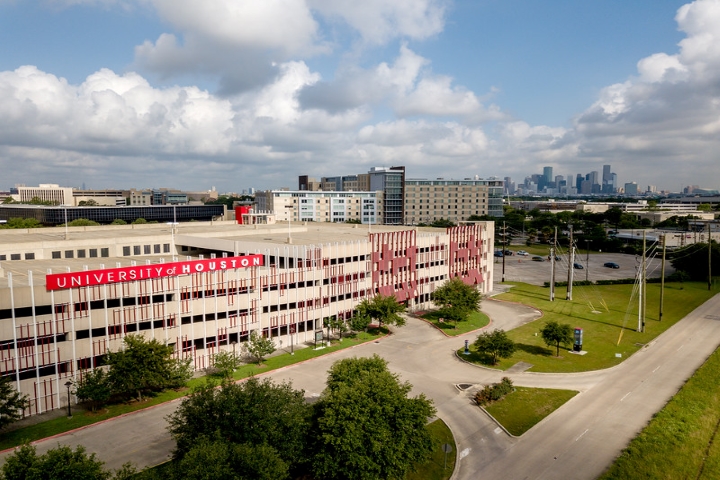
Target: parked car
577 266
522 252
498 253
557 259
507 252
612 265
538 258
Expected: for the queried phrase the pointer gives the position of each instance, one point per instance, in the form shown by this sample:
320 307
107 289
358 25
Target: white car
522 252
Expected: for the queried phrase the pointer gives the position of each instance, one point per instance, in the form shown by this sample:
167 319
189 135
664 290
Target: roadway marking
656 369
464 453
498 430
578 438
680 347
623 398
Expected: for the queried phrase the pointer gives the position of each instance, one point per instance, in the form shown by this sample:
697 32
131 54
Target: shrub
494 392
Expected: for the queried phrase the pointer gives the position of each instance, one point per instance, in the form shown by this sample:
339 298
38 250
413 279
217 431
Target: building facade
322 206
204 289
455 200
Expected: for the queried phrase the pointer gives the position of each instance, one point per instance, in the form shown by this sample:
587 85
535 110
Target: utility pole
504 248
587 259
552 268
570 266
641 307
662 279
707 224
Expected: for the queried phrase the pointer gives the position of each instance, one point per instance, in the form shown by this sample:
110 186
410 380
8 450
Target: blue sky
186 94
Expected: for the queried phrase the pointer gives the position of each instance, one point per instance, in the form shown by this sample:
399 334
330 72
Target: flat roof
255 237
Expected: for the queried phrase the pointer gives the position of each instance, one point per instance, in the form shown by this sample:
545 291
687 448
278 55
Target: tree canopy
217 459
259 346
254 412
457 294
12 402
60 463
143 366
496 344
556 334
384 309
693 260
94 388
366 426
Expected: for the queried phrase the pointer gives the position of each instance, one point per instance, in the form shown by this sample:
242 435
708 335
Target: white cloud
378 21
110 113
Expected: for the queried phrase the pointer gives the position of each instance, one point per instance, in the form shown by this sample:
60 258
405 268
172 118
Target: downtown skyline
108 93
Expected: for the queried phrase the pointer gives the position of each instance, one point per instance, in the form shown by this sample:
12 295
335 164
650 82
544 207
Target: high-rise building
391 181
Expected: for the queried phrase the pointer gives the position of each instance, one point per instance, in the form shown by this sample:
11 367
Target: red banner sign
59 281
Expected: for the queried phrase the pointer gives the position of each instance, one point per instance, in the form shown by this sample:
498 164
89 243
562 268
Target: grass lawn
606 331
435 468
83 418
681 441
475 321
522 409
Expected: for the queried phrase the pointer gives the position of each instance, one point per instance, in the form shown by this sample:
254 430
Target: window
156 248
93 252
3 257
166 248
126 251
29 256
105 252
14 256
69 254
146 249
136 250
57 254
81 253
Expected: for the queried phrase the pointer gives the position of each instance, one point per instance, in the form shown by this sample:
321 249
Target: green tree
21 223
458 295
61 463
118 221
496 344
139 221
442 223
143 366
259 346
87 203
554 333
693 260
12 402
366 426
39 201
211 460
359 323
94 388
384 309
254 412
82 222
225 364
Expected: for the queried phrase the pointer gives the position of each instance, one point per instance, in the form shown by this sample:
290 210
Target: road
577 441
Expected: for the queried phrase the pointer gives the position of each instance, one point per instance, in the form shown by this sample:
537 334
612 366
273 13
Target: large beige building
203 287
454 200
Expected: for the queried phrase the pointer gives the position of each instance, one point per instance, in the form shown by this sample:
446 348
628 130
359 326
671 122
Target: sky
238 94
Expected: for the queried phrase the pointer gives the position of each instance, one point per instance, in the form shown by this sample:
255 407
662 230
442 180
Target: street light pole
587 259
68 384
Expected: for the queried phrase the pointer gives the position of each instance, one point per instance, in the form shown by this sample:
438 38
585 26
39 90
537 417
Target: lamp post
587 259
233 344
68 384
289 214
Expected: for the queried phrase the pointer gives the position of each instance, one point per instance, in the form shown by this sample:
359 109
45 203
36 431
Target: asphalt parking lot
524 269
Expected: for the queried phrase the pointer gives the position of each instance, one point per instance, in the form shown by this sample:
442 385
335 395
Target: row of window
145 249
82 253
